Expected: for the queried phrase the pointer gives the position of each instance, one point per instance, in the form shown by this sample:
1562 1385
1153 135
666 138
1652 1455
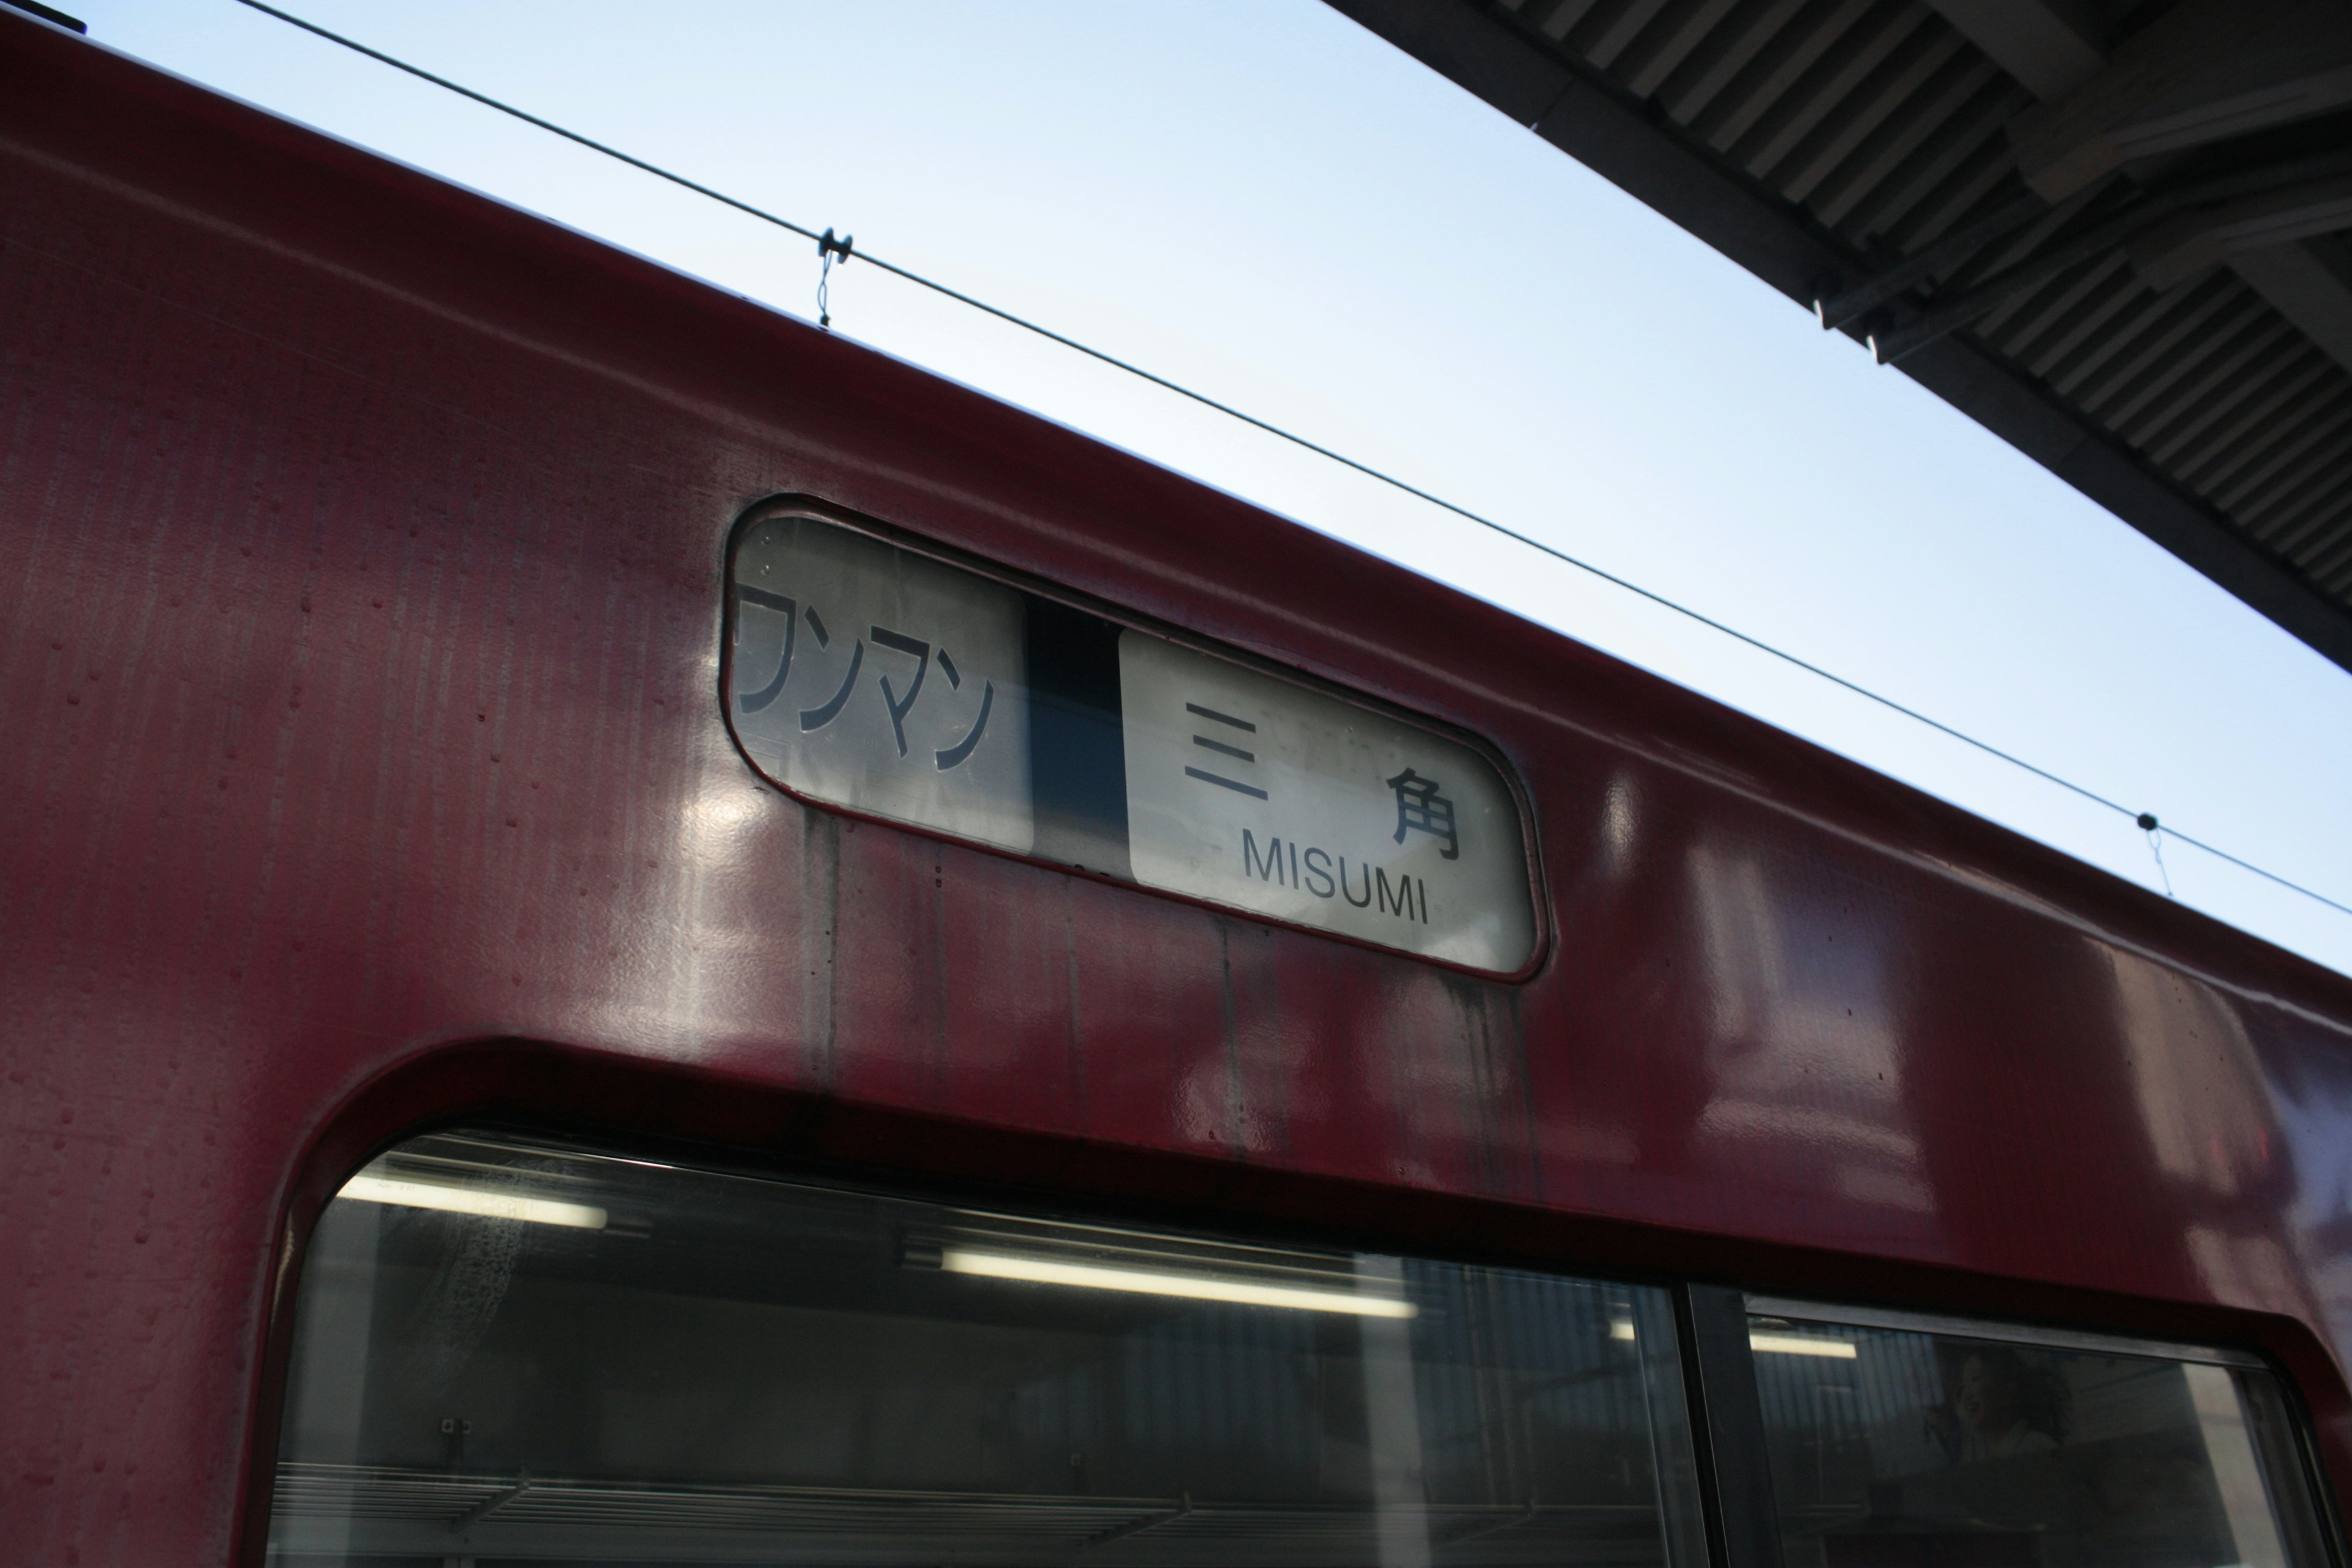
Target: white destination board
866 676
869 677
1250 791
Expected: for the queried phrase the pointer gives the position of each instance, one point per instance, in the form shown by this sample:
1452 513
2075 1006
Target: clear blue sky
1258 198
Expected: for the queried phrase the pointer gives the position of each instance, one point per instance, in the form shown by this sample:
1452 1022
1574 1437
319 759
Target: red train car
633 933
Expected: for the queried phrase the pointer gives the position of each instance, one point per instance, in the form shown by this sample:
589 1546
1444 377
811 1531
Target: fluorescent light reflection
471 1200
1152 1282
1621 1329
1801 1344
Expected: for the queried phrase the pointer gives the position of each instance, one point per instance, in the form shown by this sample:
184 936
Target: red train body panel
364 543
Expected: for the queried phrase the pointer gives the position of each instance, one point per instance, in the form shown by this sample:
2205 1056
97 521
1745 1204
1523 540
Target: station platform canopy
2117 233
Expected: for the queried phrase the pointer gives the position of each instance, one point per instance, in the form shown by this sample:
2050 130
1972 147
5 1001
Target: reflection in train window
514 1352
1892 1448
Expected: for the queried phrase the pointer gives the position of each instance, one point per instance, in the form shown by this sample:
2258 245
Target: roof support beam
2310 284
2053 46
2203 73
2176 252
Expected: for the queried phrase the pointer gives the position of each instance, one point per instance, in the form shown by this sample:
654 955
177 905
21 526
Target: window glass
512 1352
1897 1448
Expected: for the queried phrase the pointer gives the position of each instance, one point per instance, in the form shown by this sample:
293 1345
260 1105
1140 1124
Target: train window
508 1350
1897 1442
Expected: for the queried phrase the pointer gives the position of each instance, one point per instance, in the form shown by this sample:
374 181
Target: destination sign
875 679
868 677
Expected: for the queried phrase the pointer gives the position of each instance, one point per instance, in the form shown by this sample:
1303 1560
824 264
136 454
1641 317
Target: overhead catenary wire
829 248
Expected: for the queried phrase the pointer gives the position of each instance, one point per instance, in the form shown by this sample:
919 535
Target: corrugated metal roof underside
1886 127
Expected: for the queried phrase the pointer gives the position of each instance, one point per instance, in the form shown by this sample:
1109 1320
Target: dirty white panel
870 677
1252 792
